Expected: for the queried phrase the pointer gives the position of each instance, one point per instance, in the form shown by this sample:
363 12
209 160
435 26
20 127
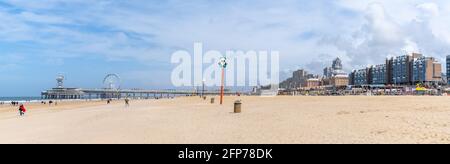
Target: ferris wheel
112 81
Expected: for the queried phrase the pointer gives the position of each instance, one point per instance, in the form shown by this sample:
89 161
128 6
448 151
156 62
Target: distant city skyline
86 40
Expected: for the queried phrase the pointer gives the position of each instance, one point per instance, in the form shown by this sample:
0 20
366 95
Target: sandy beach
352 119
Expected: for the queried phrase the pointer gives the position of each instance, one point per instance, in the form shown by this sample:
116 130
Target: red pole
221 86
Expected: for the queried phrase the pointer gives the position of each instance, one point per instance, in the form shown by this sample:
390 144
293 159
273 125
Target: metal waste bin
237 106
212 100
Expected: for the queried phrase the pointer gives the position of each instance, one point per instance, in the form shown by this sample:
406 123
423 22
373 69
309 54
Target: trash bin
237 106
204 97
212 100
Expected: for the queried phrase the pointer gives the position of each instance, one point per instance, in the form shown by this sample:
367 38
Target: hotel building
379 74
339 81
426 69
361 77
402 70
299 79
313 83
338 78
328 72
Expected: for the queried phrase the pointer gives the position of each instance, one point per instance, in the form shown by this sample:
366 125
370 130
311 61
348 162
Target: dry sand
263 121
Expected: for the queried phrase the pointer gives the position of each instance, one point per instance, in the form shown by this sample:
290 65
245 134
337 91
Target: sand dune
264 120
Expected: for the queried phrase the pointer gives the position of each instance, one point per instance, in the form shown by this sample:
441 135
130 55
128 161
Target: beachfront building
373 75
351 78
448 69
300 76
327 72
339 81
313 83
361 77
298 79
338 78
390 78
337 68
286 84
426 70
379 74
401 68
334 76
62 93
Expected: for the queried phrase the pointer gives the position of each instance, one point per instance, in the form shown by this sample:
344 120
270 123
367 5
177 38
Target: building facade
327 72
313 83
334 75
408 69
426 70
339 81
401 68
338 68
351 78
361 77
299 79
379 74
448 69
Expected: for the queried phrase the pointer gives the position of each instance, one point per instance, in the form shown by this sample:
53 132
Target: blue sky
87 39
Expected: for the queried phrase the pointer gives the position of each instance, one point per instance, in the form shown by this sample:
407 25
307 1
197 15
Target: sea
20 99
31 99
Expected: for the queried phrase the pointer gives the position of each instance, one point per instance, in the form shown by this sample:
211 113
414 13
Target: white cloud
307 33
429 9
47 19
393 28
380 27
410 47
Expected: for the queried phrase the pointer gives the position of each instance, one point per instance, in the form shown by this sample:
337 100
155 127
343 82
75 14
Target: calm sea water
20 99
38 99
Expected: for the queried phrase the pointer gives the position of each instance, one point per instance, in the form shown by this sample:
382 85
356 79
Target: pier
79 93
112 90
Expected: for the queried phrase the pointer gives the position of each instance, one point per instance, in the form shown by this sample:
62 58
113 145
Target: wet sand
352 119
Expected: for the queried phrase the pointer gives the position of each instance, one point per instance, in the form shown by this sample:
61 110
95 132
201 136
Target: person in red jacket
22 110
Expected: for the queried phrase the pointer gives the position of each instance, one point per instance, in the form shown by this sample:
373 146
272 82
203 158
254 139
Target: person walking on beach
127 102
22 110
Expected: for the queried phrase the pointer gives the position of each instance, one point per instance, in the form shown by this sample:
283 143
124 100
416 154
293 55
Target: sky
88 39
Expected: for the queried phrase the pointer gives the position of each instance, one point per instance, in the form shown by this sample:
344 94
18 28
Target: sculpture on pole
223 65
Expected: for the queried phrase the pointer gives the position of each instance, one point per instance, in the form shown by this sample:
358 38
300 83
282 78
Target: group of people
23 110
14 103
49 102
127 102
